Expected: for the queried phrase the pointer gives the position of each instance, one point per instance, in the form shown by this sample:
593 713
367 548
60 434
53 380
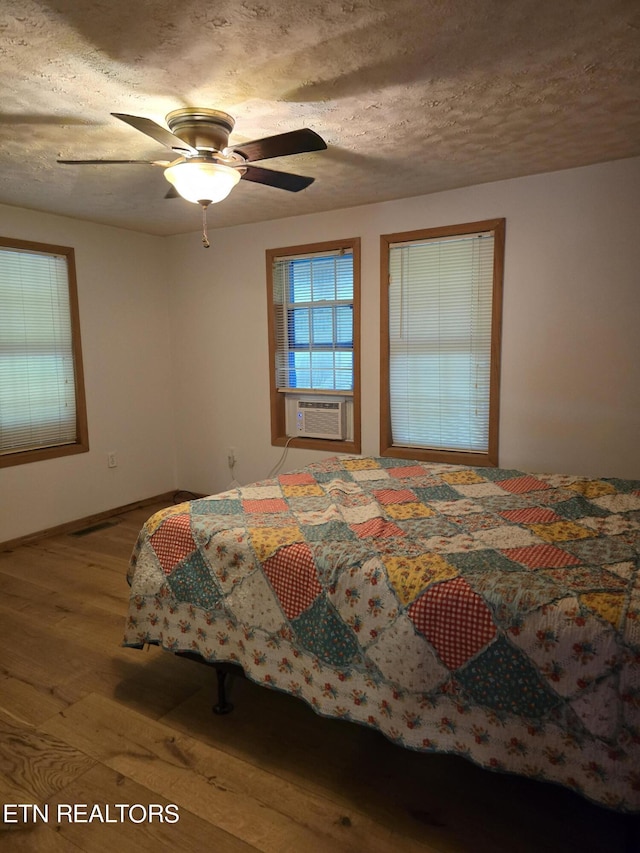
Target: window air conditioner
316 419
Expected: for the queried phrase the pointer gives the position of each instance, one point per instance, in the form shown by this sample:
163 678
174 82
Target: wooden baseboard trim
79 523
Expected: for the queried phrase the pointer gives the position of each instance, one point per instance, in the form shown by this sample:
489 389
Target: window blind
313 305
37 382
440 313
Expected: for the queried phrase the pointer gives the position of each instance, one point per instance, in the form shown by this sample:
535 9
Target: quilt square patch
404 657
191 581
561 531
503 679
428 528
464 475
571 649
394 496
363 600
157 518
592 488
293 577
541 556
369 474
407 471
320 630
579 507
506 537
260 492
213 506
409 510
530 515
266 540
330 531
302 490
512 594
359 464
478 490
526 483
600 552
255 604
376 527
296 479
265 505
619 503
475 521
454 619
360 512
410 576
173 541
442 492
229 558
322 515
586 580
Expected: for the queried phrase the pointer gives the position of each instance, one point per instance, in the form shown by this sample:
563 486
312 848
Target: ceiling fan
207 168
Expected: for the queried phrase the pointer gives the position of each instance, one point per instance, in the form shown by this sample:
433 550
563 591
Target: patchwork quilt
490 613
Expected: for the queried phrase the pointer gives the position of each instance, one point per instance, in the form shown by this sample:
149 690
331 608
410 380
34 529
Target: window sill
324 444
22 457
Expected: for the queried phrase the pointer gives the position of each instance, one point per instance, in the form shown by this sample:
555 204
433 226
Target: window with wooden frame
313 294
42 402
441 308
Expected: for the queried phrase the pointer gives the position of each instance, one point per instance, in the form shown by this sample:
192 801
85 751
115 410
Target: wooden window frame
387 448
81 443
277 398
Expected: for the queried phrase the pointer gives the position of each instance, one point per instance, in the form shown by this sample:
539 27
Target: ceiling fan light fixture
199 182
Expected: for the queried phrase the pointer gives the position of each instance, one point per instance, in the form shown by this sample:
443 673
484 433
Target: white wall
571 342
125 328
174 331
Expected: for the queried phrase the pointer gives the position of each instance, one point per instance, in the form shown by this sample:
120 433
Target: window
314 331
441 299
42 408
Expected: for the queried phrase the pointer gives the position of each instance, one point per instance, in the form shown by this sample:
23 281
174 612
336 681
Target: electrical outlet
112 459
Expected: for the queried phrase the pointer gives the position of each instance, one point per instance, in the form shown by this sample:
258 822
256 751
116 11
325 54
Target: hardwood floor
86 723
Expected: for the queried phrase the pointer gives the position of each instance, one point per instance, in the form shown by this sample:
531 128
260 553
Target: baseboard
79 523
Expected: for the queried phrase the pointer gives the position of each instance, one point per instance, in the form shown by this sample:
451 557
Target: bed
484 612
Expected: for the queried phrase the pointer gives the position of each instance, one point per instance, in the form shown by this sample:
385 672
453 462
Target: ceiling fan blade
280 180
281 145
157 132
113 162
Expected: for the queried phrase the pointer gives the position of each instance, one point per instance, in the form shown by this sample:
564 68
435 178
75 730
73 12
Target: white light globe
202 182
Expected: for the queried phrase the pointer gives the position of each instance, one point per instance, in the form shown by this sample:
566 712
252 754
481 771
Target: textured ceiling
411 97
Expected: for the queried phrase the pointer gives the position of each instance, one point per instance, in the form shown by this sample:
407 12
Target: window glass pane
344 277
324 279
344 370
344 325
322 319
322 369
300 374
300 280
299 327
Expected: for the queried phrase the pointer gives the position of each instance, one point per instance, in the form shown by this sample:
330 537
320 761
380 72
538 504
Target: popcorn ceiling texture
412 97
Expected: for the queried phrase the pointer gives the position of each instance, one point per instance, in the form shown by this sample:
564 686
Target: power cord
280 461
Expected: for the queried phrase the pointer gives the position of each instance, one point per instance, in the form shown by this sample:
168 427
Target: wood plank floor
84 721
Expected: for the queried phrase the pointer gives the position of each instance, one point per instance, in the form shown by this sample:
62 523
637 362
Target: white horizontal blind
37 386
313 305
440 309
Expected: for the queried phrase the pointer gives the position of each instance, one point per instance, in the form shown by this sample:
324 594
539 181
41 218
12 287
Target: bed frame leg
222 706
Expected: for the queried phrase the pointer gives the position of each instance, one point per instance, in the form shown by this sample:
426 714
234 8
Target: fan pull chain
205 238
